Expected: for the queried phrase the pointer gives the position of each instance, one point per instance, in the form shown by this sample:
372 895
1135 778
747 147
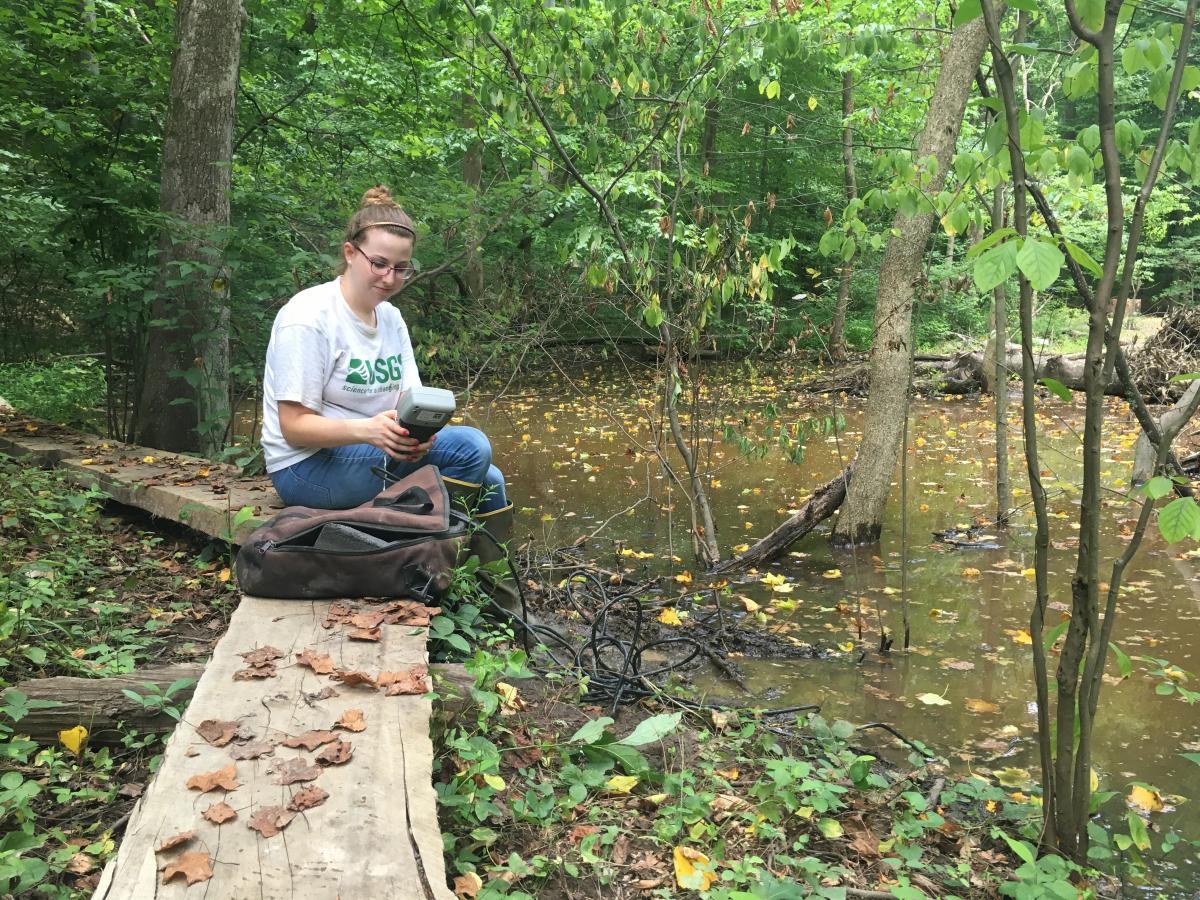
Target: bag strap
412 500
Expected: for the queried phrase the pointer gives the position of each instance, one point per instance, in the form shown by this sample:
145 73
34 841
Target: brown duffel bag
404 543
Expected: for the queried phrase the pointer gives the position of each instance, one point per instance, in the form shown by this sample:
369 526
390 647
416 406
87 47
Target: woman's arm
302 427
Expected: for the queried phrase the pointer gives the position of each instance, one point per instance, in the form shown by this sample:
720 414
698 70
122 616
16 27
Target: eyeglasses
381 267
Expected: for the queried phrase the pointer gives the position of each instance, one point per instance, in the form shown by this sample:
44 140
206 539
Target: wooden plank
375 836
208 503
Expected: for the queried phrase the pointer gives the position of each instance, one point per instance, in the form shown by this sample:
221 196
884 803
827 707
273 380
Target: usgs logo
380 371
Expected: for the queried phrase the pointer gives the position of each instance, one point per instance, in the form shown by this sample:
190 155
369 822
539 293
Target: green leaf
1040 262
1082 257
1029 6
1055 633
1058 389
1178 519
653 729
831 828
1186 376
1020 848
1124 663
995 266
848 248
1157 487
590 732
1192 757
998 235
831 242
1089 138
653 315
1137 831
968 11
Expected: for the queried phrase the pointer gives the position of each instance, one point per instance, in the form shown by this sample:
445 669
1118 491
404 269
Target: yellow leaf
495 781
933 699
982 706
716 482
149 460
684 577
782 588
1145 799
920 442
812 103
970 572
1029 573
741 548
832 573
546 517
1013 777
991 806
687 875
728 774
924 507
86 462
669 616
1023 637
202 473
622 784
1094 781
772 579
615 87
224 574
74 739
846 647
749 605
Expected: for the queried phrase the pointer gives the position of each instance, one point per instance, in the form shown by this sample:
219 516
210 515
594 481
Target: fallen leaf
270 820
725 803
579 832
622 784
336 754
219 813
195 867
216 731
687 875
467 886
174 841
223 575
266 671
368 621
684 577
669 616
252 750
353 679
832 573
933 699
80 864
222 779
1012 777
310 740
261 656
1022 636
296 769
982 706
351 720
321 663
410 681
365 634
970 572
74 738
307 797
1145 799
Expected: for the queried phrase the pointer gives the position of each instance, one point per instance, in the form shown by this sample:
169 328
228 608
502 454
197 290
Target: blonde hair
377 209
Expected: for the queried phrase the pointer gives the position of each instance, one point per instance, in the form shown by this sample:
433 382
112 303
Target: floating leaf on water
1145 799
1013 777
982 706
933 699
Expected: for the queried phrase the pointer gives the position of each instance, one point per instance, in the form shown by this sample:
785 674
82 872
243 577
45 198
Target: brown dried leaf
351 720
321 663
296 769
324 694
219 813
80 864
307 797
270 820
261 656
217 732
365 634
130 789
253 750
195 867
336 754
174 841
310 740
367 620
265 671
224 779
410 681
409 612
353 679
467 886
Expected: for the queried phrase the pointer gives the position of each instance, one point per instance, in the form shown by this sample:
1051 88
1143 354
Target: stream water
573 452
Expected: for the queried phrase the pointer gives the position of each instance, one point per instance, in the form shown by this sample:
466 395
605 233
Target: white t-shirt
325 358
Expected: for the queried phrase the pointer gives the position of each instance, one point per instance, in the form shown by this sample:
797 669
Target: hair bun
377 196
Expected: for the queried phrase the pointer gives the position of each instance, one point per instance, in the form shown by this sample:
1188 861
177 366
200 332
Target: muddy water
573 453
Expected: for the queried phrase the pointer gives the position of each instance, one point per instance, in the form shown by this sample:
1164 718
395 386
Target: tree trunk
837 329
861 519
1145 453
708 140
473 179
184 393
999 376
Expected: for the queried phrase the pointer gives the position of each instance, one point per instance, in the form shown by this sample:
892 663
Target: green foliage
67 391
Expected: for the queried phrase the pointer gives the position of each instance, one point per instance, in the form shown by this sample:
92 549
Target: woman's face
372 264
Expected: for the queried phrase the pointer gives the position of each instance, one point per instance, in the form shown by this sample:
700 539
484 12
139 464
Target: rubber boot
492 546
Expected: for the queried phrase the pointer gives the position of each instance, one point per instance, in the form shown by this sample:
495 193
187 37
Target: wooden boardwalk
302 768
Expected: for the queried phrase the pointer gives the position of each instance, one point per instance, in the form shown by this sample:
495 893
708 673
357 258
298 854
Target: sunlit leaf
669 616
930 699
622 784
74 738
687 875
1145 799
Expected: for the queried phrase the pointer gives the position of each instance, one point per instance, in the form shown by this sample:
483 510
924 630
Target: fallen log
108 713
964 373
819 507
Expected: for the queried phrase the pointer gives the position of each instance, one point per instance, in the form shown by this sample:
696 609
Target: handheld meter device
424 410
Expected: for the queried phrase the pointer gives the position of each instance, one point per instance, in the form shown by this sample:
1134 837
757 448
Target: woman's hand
412 449
384 432
302 427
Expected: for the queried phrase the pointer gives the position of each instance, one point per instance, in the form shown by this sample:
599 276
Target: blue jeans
341 477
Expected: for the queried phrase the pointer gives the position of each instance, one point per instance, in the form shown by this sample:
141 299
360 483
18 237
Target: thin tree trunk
837 330
473 179
1000 378
184 394
861 519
